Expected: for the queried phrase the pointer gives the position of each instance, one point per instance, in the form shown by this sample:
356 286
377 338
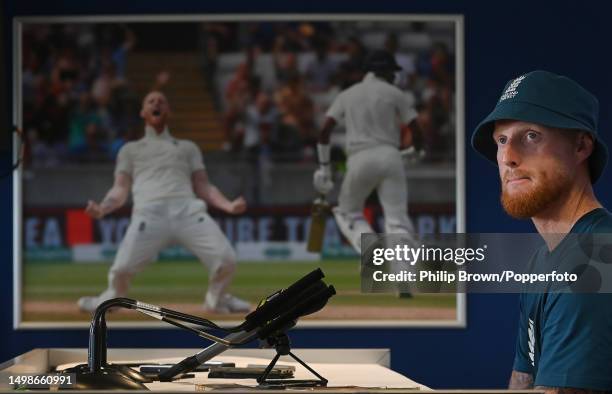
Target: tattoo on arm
520 381
524 381
569 390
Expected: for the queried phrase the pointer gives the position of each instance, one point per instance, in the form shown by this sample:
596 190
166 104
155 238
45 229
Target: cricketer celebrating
543 136
170 190
375 113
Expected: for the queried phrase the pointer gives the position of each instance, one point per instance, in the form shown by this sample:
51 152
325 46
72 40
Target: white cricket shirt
372 111
160 166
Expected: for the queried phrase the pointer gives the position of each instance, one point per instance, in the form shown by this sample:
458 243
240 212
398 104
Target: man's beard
528 203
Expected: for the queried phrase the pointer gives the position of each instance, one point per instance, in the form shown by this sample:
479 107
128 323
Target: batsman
376 115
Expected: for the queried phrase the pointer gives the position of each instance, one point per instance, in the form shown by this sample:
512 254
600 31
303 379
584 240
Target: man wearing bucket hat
543 136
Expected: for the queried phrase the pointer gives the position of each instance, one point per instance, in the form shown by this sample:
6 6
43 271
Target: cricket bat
318 214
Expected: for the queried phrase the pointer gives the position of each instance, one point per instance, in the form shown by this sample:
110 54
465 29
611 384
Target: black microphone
280 300
306 306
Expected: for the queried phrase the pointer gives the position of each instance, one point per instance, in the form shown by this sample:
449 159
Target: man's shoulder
129 147
604 222
597 221
376 87
582 303
189 148
356 88
344 92
388 89
555 305
189 144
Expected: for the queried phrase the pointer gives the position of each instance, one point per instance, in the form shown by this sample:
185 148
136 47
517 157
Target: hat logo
510 92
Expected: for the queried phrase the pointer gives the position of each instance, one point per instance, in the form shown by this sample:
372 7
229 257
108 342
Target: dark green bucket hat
550 100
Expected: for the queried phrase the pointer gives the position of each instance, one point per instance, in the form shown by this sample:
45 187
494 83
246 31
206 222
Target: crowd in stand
274 94
77 105
272 83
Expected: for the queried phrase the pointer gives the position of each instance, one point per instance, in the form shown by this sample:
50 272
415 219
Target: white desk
344 368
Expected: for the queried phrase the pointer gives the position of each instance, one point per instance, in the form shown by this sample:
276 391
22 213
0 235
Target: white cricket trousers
379 168
159 224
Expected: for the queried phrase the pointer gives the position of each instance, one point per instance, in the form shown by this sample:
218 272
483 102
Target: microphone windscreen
306 306
281 300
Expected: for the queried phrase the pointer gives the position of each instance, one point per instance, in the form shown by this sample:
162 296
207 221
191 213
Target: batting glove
322 181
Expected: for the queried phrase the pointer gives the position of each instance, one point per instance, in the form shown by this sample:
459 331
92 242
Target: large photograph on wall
143 104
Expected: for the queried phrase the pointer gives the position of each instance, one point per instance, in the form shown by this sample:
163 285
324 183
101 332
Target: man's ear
142 113
585 146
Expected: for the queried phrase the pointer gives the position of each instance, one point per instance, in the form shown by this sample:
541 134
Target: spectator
406 61
259 123
83 121
436 101
96 147
351 70
38 153
65 72
237 91
297 115
120 54
237 97
103 86
72 91
286 65
321 71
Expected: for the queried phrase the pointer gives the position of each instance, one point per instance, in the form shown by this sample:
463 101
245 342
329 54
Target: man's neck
154 131
370 75
559 218
158 129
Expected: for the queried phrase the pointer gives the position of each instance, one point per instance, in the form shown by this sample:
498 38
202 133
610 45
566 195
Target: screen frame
460 183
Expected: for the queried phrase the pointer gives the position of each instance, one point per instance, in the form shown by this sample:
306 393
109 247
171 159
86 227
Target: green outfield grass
185 282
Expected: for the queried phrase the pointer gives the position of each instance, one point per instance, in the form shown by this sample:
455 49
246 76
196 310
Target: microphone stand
254 322
98 374
275 334
313 299
268 322
282 345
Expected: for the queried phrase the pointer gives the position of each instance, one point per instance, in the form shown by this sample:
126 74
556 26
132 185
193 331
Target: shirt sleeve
405 110
196 161
124 161
577 342
337 110
522 361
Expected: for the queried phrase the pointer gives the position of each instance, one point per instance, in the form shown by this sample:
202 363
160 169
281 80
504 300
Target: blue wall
502 40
